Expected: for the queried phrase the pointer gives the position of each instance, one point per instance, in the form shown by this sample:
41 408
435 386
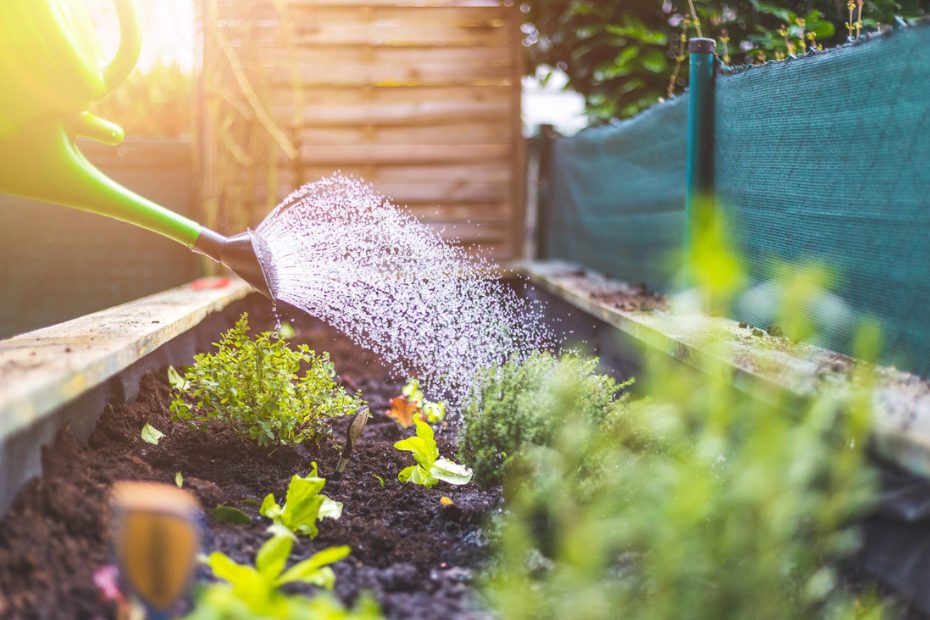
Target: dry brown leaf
403 410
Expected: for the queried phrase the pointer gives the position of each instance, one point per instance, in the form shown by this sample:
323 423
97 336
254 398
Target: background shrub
701 503
511 408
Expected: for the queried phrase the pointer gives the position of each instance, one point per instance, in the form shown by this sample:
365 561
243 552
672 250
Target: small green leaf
270 508
175 380
231 515
179 480
314 570
287 331
379 479
451 472
272 557
151 435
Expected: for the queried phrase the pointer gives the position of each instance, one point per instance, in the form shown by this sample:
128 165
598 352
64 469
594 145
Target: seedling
257 587
254 387
303 505
430 468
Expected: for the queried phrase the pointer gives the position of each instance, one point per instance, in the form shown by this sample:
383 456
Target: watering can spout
245 254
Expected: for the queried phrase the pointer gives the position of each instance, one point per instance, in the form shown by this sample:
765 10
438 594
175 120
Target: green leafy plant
254 591
509 408
430 468
304 505
255 387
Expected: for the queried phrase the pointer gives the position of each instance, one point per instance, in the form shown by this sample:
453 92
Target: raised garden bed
414 554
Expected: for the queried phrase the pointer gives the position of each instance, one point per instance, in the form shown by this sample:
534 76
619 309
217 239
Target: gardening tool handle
130 44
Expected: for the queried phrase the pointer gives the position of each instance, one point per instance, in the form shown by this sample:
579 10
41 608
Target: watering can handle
130 44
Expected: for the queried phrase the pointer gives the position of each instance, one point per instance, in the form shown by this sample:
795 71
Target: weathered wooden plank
758 364
46 368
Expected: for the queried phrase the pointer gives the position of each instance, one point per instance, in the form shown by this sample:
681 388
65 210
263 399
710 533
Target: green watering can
50 74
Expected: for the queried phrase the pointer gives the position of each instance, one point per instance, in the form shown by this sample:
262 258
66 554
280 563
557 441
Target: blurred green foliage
509 408
625 55
702 502
155 103
255 592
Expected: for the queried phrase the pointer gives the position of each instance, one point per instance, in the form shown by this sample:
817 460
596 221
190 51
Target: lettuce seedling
261 388
430 468
303 505
257 587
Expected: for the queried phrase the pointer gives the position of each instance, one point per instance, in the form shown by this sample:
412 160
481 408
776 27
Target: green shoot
430 468
303 505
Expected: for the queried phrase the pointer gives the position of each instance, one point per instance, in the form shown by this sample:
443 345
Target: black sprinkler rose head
246 254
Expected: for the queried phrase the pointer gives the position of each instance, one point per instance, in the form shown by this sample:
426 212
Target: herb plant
430 468
254 591
509 408
303 505
255 387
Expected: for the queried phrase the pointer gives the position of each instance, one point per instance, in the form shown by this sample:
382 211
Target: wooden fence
419 97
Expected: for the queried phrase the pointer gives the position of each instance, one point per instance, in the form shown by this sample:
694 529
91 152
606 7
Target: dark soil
415 555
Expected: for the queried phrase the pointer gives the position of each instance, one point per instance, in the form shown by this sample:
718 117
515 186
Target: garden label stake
352 434
156 539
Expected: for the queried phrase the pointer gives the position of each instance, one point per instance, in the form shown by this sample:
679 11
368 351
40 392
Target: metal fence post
699 200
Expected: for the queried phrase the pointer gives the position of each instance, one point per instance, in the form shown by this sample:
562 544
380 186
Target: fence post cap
702 46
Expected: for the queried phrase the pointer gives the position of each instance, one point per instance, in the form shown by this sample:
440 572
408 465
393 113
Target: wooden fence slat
385 95
471 133
422 74
379 154
411 174
403 114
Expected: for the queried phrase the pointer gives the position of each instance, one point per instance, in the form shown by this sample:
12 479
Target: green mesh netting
613 197
824 159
